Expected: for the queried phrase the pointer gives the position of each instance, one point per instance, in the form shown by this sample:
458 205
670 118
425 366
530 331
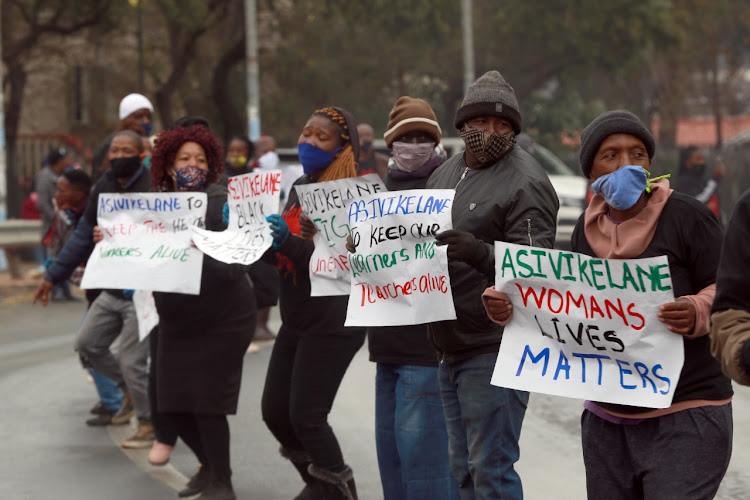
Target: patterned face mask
487 148
190 178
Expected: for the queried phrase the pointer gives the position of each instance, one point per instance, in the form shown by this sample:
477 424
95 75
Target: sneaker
126 411
143 438
100 420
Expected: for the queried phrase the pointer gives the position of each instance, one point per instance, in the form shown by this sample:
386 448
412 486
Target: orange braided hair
344 165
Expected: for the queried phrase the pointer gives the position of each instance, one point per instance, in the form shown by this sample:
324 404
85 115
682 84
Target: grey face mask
410 157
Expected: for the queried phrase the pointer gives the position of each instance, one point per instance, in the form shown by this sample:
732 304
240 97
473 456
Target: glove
225 214
307 227
463 246
279 229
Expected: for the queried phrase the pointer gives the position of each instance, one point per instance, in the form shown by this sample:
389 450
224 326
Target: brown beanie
409 114
489 95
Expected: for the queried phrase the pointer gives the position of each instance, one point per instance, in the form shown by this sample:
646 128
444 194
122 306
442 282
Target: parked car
569 186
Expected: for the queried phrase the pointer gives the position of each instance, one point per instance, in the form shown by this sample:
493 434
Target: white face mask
410 157
269 161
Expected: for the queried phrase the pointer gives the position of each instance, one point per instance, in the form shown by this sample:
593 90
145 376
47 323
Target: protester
691 178
730 321
411 437
370 161
502 194
111 314
202 338
267 157
135 113
682 451
313 349
240 154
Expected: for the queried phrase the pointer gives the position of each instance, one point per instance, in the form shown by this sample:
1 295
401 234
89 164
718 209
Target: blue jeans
109 393
410 434
484 425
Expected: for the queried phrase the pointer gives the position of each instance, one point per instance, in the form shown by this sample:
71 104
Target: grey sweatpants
108 318
678 456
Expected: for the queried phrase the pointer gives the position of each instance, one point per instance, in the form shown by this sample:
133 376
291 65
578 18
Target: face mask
410 157
365 147
237 161
622 188
190 178
313 158
487 148
125 167
147 127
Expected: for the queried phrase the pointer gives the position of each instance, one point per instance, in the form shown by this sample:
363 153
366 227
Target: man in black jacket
112 313
502 194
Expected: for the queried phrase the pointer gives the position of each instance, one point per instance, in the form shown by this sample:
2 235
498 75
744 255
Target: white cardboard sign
327 204
399 274
146 243
250 197
585 327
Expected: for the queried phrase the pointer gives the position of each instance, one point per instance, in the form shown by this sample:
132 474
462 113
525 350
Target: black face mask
366 146
124 167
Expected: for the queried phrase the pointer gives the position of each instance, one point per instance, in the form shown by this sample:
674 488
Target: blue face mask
147 127
313 158
622 188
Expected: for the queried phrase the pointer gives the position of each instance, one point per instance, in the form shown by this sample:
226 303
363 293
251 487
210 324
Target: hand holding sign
679 316
462 246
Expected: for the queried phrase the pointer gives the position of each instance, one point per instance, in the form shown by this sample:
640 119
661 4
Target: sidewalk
14 290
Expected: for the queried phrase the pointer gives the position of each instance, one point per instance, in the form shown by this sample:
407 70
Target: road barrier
17 234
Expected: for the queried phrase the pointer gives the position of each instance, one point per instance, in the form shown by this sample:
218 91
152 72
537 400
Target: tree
25 24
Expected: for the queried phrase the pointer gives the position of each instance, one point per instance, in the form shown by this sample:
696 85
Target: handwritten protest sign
326 204
250 197
146 242
585 327
399 275
145 311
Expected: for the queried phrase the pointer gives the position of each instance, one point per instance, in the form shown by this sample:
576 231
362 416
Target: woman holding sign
632 452
202 338
312 349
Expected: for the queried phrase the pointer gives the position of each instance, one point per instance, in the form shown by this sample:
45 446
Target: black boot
335 484
219 489
301 461
197 483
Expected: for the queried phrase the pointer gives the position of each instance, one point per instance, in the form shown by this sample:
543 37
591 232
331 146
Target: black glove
463 246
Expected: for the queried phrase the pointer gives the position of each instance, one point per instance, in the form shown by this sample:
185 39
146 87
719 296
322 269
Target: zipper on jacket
528 231
463 176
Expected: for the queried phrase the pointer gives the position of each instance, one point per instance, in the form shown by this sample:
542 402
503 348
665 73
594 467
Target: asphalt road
49 453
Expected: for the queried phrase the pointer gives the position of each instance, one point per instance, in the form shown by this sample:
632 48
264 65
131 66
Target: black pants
303 377
163 428
208 437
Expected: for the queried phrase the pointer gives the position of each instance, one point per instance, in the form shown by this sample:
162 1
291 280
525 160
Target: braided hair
345 163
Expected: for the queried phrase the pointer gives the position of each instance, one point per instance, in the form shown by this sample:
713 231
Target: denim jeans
410 434
109 393
484 425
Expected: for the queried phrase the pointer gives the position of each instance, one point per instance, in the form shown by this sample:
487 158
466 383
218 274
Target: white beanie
132 103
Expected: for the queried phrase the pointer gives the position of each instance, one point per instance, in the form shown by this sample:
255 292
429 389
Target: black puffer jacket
512 201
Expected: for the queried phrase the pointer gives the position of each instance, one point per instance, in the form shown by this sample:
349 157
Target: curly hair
170 141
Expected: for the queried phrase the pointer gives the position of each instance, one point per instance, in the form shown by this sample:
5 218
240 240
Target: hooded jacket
511 200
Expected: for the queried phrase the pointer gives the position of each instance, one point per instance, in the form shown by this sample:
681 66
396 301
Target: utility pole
3 162
251 61
468 35
141 72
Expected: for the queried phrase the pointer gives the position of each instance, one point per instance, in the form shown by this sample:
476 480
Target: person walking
313 349
410 433
634 217
202 338
502 194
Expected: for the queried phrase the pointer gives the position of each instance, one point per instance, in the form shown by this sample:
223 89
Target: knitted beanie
612 122
132 103
409 114
490 95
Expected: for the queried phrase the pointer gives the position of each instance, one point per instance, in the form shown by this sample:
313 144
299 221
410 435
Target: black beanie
489 95
612 122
